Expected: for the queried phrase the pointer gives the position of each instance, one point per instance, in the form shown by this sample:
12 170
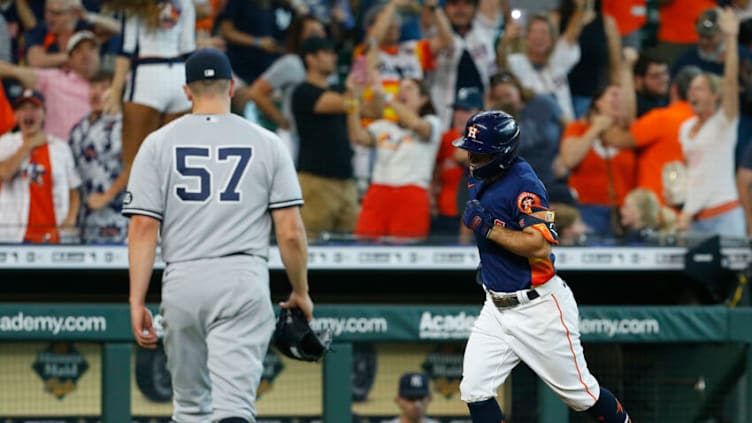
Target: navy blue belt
158 60
243 253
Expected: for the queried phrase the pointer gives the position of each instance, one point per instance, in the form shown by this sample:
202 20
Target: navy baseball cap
313 45
29 96
468 99
207 64
707 23
414 385
78 38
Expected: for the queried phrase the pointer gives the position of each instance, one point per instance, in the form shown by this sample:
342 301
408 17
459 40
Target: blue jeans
597 218
730 224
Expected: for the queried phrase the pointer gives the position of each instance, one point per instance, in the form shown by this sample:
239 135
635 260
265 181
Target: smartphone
519 16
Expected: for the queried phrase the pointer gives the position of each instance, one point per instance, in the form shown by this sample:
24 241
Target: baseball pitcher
211 183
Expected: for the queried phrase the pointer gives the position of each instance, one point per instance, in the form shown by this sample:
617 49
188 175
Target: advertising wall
51 359
49 381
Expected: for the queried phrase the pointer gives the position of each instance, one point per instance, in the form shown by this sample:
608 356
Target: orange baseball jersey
35 201
590 178
657 137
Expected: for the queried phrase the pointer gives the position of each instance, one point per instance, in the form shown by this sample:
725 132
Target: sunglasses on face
501 78
458 2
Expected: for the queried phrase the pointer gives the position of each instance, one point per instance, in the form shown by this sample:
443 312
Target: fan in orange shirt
601 174
656 135
38 181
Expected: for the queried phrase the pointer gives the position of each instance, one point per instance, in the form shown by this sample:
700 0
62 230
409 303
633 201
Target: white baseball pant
218 320
544 334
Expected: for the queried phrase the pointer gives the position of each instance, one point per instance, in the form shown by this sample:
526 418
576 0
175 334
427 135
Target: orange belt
711 212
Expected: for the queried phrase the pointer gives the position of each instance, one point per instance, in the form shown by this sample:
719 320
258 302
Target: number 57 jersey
212 180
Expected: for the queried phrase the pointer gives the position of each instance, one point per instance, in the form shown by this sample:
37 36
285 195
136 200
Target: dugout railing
109 325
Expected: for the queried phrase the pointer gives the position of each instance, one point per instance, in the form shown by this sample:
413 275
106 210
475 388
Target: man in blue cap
413 398
211 183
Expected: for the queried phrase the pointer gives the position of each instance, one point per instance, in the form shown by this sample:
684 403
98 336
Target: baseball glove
294 337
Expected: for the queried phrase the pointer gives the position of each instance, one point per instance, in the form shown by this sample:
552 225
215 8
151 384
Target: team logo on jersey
526 201
90 153
127 198
170 14
444 368
385 140
34 172
60 366
498 222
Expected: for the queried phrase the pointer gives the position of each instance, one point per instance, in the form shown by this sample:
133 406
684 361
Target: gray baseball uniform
211 180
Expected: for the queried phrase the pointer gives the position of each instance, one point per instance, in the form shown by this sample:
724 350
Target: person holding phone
544 65
396 60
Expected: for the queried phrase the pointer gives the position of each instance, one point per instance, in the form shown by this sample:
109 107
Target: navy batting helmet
492 132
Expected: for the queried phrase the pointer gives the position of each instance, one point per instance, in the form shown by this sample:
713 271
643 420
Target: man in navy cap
211 183
413 398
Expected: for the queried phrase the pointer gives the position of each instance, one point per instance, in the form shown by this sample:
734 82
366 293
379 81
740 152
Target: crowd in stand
635 138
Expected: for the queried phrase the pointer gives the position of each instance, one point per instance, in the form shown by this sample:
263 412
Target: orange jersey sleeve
423 51
647 129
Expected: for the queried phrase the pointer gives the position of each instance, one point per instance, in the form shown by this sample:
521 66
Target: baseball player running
530 314
211 183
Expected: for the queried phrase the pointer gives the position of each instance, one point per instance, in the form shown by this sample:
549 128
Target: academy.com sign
458 326
52 324
613 327
446 326
360 325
